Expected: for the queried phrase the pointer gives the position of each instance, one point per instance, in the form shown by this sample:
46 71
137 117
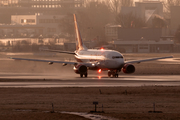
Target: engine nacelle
80 69
128 68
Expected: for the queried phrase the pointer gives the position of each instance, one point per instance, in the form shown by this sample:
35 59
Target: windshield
114 57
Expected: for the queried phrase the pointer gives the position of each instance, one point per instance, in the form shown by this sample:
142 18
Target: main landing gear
113 73
85 75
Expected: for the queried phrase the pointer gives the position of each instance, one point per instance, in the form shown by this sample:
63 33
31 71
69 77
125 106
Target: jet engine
80 69
128 68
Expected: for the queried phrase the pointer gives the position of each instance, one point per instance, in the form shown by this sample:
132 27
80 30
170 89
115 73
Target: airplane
95 59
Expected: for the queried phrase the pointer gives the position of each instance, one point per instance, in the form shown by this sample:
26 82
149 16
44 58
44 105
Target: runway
39 80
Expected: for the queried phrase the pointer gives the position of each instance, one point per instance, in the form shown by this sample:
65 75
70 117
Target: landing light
99 71
102 48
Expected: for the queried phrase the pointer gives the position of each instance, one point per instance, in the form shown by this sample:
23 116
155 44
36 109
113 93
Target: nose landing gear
113 73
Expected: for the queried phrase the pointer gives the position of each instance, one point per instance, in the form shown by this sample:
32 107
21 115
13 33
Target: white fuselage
106 59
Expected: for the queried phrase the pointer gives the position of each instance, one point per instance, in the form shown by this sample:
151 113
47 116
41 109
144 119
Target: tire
109 74
86 75
116 75
81 75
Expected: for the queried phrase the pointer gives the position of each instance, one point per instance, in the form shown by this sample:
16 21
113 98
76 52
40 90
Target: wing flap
145 60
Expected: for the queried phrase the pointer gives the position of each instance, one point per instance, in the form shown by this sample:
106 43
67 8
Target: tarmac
39 80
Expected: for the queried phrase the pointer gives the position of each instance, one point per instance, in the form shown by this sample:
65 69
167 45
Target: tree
115 5
169 3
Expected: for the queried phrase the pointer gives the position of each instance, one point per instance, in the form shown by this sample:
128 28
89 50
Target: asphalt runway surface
38 80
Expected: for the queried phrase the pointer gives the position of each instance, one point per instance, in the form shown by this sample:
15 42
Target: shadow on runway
103 77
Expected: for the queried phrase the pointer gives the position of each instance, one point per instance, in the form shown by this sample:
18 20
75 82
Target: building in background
49 23
145 10
136 39
30 7
42 3
175 18
142 40
112 32
143 46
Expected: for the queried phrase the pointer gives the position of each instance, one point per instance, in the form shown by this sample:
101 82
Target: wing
38 60
58 51
54 61
145 60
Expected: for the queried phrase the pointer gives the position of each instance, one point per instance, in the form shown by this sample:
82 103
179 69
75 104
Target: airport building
30 7
145 10
135 39
116 32
32 25
42 3
138 39
161 46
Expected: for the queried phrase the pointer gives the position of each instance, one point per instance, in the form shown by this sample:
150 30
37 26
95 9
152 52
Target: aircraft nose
120 62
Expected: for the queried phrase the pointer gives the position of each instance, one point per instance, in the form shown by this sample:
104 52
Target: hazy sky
149 0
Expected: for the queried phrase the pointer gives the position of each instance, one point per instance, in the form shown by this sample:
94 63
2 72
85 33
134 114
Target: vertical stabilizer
79 42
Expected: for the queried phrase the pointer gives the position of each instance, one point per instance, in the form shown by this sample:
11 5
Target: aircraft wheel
81 75
109 74
86 75
116 75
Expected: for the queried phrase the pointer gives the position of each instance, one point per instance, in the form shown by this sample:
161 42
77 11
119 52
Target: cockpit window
114 57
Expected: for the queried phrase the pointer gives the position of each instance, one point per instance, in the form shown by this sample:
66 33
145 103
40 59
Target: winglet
79 42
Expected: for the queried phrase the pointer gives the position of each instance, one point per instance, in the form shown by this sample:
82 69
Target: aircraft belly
103 63
113 64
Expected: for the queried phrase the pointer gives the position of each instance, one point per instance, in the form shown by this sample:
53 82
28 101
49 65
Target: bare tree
169 3
115 5
127 3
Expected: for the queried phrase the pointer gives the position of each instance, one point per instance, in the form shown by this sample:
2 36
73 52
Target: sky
147 0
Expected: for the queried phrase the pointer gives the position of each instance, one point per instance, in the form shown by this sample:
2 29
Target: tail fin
79 42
